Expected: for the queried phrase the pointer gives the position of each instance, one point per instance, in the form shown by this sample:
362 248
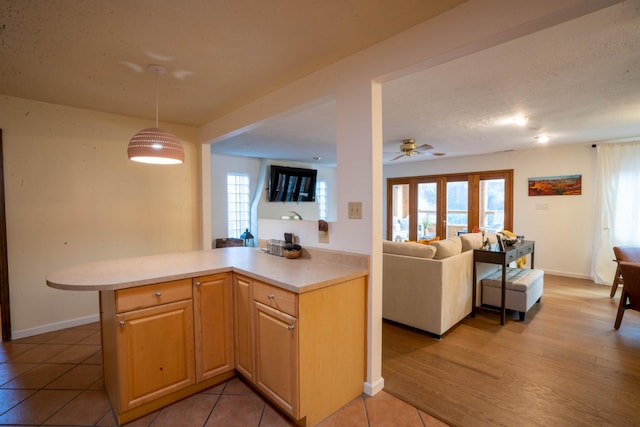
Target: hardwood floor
564 365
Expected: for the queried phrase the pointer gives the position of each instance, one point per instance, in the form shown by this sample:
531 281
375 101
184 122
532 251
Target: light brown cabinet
147 369
213 310
243 322
155 351
151 351
305 352
308 349
276 353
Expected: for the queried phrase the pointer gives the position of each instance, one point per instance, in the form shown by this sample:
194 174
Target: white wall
560 225
307 210
72 195
267 226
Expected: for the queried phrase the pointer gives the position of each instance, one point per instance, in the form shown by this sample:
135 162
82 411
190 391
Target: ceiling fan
409 148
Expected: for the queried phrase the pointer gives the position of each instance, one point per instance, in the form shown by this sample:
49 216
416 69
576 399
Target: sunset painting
568 185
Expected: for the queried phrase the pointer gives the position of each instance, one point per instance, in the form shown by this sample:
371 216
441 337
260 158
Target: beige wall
73 196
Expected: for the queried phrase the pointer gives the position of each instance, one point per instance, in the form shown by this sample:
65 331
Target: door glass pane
457 207
492 205
400 220
427 209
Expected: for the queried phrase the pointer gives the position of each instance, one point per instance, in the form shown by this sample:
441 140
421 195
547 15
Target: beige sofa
429 286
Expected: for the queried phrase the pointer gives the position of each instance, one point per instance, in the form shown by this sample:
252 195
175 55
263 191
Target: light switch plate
355 210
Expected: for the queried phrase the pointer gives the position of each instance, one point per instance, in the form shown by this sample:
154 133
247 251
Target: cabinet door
243 326
155 352
213 322
277 356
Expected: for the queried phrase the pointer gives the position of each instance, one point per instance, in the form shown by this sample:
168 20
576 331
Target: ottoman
523 289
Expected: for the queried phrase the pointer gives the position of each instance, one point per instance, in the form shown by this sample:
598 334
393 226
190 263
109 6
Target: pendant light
154 145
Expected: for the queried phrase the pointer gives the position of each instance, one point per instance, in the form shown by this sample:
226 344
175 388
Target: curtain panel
616 204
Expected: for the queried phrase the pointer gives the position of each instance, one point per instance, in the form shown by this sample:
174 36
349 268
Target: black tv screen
292 184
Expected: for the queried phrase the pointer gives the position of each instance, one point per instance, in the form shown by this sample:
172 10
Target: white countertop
317 268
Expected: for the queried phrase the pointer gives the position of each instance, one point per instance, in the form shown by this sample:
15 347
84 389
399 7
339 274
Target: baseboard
15 335
371 389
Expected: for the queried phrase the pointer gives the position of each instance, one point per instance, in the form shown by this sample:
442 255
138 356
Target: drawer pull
158 294
197 284
291 327
271 296
121 323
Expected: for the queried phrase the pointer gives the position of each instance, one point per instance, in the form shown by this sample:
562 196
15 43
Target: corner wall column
359 154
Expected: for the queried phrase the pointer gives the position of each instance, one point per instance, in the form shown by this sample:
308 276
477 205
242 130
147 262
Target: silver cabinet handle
158 293
291 327
197 284
271 296
122 323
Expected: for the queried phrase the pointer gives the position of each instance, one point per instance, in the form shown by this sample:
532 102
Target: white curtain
616 207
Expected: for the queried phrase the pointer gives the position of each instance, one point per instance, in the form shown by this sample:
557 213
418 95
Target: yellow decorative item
509 234
423 241
520 262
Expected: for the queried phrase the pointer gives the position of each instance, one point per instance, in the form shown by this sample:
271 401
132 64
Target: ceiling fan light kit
154 145
408 148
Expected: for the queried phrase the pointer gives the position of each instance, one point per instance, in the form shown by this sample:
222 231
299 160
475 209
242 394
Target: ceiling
577 82
220 54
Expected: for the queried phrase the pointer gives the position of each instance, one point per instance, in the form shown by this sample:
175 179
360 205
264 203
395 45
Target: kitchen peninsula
176 324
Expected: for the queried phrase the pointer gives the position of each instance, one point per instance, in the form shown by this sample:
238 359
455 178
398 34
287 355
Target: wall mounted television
289 184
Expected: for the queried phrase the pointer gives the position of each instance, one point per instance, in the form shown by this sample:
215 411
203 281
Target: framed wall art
564 185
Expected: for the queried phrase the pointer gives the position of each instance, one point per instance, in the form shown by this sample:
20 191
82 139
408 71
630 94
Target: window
237 204
321 198
424 207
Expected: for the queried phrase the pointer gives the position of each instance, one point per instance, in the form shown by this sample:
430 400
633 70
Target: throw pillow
409 249
471 241
447 247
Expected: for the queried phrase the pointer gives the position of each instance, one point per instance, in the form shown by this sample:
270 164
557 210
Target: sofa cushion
413 249
471 241
447 247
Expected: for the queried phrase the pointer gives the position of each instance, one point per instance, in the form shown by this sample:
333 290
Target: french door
425 207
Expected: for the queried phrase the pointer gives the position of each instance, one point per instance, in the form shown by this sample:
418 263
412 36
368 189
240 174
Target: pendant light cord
156 98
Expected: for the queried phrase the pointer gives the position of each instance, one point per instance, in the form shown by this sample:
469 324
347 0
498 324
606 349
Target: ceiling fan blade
396 158
425 147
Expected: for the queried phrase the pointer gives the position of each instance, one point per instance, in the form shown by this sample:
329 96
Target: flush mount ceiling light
518 120
542 139
154 145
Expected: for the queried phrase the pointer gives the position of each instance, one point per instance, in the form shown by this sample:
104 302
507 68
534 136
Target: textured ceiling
578 81
220 54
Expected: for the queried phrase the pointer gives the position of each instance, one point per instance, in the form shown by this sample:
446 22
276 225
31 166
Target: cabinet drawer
523 251
275 297
152 295
511 256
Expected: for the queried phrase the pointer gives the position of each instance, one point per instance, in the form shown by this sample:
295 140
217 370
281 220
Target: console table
503 258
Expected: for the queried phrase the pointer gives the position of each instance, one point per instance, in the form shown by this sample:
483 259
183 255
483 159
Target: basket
509 241
292 254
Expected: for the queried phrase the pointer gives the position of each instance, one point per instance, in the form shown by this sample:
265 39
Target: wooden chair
627 254
630 298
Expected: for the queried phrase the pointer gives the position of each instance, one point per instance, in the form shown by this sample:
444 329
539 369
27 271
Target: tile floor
55 379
